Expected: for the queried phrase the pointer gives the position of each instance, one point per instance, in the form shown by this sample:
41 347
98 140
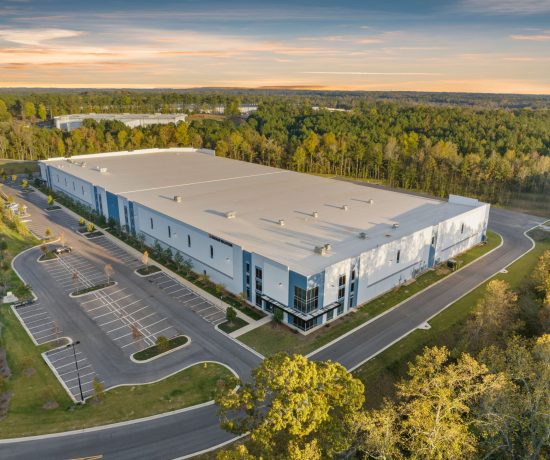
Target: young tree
162 344
81 222
541 272
28 110
294 408
187 266
62 238
278 316
90 227
24 183
495 316
145 258
178 260
47 233
50 200
231 315
109 271
42 112
99 389
14 177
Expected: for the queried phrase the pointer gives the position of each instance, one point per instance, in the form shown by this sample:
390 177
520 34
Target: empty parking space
73 272
126 319
38 322
71 364
190 299
117 252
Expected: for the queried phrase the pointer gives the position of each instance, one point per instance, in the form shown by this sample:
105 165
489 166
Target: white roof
260 196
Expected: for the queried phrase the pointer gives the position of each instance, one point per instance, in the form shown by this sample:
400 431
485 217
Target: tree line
489 153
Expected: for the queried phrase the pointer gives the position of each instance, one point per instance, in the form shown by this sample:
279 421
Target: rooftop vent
231 214
101 169
387 235
327 247
83 164
321 250
177 198
371 201
345 207
315 214
395 226
363 235
282 222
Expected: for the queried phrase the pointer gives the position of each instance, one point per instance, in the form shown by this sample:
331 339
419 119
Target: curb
149 274
162 355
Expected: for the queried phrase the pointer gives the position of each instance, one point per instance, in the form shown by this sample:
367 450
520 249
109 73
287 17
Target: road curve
188 432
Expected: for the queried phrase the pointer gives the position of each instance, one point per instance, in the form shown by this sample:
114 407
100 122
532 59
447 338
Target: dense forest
489 149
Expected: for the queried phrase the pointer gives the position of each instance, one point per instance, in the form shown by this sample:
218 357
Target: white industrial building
313 247
132 120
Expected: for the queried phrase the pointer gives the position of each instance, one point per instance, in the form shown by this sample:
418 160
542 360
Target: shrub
231 314
162 344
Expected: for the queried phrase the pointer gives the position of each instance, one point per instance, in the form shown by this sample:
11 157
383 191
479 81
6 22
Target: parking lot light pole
73 345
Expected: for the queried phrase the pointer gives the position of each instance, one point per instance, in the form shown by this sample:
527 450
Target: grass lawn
153 351
148 270
49 255
230 327
270 338
380 373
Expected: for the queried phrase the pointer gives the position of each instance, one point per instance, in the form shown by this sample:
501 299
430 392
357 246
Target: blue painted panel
295 279
112 206
247 258
49 176
431 257
132 218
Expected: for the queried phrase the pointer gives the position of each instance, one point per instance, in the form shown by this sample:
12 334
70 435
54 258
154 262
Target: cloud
36 36
524 7
370 73
540 37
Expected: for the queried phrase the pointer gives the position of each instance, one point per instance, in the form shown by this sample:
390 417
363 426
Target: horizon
458 46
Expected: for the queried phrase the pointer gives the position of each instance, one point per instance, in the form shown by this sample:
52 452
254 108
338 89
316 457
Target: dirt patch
50 405
442 270
29 371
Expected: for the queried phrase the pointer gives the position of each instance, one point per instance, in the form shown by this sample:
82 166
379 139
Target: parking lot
190 299
72 272
63 362
126 319
38 322
117 252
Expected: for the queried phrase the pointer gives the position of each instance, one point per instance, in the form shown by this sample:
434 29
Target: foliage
99 389
294 408
231 314
514 422
50 200
430 419
278 315
162 344
494 318
90 227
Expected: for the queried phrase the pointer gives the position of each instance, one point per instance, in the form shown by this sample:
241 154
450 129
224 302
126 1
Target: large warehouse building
313 247
132 120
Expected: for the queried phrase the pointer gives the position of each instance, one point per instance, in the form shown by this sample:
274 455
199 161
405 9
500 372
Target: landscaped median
147 270
161 348
89 289
272 338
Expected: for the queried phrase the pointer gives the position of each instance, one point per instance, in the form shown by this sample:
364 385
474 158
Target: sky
497 46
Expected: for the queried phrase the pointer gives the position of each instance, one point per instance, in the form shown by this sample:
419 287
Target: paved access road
371 339
187 432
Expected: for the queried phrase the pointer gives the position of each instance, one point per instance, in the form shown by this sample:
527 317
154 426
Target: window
306 301
74 186
330 315
258 272
340 309
398 255
462 228
433 240
259 286
188 241
169 232
82 190
341 287
350 302
211 251
151 221
65 181
352 275
258 299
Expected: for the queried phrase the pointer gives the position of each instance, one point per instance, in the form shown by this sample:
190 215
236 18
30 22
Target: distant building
132 120
309 247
